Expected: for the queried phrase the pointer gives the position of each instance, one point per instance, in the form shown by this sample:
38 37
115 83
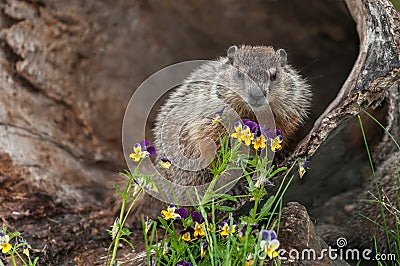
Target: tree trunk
67 70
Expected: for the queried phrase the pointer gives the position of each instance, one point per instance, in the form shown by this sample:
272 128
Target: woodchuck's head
262 79
259 69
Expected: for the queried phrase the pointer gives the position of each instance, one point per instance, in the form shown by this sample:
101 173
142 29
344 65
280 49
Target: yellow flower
203 249
4 245
238 132
247 136
269 243
186 236
259 142
225 229
165 249
216 119
276 144
148 223
303 165
249 262
263 181
138 153
165 163
211 228
258 183
26 251
272 247
170 213
199 229
302 171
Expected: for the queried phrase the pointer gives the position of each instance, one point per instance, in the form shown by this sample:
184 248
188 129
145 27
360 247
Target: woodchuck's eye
272 77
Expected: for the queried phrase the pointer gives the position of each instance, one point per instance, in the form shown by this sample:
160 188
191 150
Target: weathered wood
374 72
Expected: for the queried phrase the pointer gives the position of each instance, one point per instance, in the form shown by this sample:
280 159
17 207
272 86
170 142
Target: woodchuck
251 81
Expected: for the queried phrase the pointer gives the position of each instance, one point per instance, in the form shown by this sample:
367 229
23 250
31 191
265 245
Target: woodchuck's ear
282 57
231 53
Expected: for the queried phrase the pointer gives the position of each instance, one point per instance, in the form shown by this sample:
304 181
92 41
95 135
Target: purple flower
255 226
152 260
220 112
151 150
227 221
165 159
183 263
268 235
225 229
164 163
254 127
196 217
263 182
146 146
264 130
306 162
267 132
187 234
144 143
203 249
182 212
242 232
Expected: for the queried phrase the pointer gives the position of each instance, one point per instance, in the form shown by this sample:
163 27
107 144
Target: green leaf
119 192
267 206
225 208
14 235
125 231
280 169
129 243
35 261
226 197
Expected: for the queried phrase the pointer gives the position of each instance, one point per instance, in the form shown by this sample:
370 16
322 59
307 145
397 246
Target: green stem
117 237
13 260
21 259
122 212
256 202
375 179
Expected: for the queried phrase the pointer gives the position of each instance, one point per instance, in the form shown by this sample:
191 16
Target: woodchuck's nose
256 96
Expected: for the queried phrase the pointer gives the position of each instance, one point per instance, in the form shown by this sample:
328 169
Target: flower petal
145 143
254 127
196 217
151 150
134 156
6 248
182 212
137 148
274 244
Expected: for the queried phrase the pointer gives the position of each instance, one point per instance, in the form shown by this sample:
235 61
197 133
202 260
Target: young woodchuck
250 81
